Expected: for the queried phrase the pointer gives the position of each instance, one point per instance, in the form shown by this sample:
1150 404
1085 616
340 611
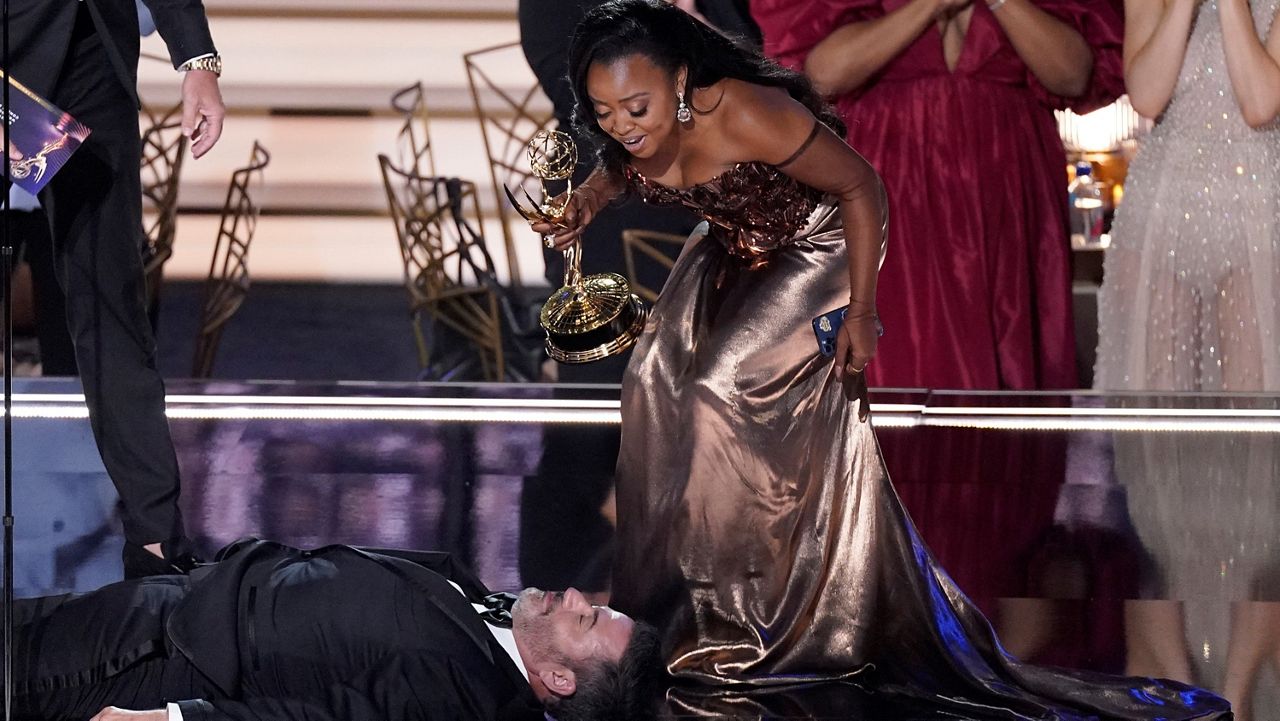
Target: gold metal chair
448 272
163 148
648 245
413 142
228 280
507 122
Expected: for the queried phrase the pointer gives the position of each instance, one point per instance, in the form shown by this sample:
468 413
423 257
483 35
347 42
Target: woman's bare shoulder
740 96
757 117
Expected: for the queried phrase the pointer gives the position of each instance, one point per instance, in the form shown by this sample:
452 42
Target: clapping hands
948 8
689 6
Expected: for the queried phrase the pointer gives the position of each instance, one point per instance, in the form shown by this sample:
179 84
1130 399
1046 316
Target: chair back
413 141
228 281
448 271
511 108
642 248
163 148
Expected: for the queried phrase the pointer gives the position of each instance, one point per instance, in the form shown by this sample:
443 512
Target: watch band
212 63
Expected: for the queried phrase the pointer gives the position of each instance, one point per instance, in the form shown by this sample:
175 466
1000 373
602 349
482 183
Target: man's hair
617 691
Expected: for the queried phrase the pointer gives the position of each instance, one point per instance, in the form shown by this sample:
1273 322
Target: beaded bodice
1202 105
753 208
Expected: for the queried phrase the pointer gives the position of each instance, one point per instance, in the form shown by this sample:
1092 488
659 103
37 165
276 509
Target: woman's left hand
856 344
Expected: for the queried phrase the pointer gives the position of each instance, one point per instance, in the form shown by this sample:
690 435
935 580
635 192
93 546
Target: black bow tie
497 609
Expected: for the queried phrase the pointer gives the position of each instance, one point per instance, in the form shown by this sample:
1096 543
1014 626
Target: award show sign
44 135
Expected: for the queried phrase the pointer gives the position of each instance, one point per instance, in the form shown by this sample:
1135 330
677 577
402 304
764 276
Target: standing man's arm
406 687
185 30
111 713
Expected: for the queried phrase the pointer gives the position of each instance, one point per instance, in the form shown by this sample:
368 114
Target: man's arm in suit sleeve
416 687
184 27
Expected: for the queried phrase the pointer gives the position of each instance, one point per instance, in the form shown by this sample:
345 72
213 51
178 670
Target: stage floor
1121 533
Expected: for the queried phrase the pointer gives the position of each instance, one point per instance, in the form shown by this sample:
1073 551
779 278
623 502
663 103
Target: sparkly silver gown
1192 289
1190 304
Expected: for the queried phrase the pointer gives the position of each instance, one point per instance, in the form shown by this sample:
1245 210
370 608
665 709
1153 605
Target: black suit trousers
75 655
95 209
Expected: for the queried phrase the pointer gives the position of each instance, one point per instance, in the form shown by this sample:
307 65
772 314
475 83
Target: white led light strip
1123 412
213 399
302 413
1179 425
586 411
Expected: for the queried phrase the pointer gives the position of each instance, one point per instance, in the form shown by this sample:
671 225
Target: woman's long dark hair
672 39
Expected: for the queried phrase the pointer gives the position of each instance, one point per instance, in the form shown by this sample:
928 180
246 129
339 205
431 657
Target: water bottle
1087 211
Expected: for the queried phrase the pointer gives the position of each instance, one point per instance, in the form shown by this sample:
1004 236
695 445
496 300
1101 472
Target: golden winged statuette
590 317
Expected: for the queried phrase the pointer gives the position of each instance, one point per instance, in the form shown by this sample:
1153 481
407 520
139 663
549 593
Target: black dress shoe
178 559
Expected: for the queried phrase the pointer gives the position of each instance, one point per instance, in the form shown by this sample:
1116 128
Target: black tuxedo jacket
342 634
40 33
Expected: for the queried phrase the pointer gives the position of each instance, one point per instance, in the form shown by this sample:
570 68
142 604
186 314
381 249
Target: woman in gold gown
757 528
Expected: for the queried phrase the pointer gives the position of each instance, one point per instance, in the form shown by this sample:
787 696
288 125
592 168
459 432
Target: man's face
559 632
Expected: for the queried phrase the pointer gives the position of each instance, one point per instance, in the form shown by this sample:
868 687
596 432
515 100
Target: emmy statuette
590 317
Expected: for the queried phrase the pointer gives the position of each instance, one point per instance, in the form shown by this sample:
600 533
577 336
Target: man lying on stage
272 633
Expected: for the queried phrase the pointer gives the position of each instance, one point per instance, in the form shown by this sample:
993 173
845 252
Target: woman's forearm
1155 45
850 55
1055 53
1254 73
603 186
864 213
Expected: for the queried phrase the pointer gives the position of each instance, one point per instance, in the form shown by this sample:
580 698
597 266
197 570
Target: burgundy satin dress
757 528
977 290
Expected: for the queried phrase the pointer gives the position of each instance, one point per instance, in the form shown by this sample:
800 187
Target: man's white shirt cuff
198 57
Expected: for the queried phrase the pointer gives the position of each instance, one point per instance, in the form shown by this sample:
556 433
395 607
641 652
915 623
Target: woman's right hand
578 212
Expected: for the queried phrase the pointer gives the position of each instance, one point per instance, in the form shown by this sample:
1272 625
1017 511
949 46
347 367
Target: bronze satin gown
757 528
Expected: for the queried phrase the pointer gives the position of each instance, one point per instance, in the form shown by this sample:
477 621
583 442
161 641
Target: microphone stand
6 268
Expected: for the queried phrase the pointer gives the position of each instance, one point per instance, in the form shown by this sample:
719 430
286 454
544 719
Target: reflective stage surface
1127 534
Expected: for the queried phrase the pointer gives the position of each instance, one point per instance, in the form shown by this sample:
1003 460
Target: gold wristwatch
212 63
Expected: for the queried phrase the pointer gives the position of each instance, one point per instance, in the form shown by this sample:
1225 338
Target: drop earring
683 113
